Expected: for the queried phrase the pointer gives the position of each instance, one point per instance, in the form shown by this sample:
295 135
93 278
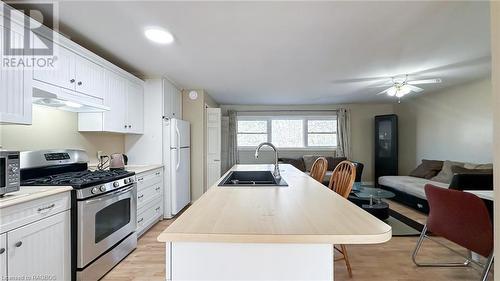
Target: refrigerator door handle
178 148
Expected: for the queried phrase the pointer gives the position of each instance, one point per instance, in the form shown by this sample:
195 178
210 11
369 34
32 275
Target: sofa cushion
462 170
296 162
478 166
446 174
427 169
410 185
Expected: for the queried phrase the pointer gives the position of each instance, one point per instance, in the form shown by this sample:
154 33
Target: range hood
65 100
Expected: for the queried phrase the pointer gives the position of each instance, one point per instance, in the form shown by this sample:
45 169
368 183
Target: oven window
2 172
111 218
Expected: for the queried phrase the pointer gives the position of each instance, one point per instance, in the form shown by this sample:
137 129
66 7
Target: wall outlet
99 154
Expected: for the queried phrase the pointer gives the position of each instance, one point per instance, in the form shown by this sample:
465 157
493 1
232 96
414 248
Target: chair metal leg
420 241
487 268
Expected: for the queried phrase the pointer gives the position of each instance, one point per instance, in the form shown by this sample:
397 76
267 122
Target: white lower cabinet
3 256
149 199
37 240
41 250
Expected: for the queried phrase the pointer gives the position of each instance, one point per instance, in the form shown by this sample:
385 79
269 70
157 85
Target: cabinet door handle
18 244
158 188
47 208
79 83
139 221
140 196
129 126
140 179
72 81
2 250
125 126
158 208
157 173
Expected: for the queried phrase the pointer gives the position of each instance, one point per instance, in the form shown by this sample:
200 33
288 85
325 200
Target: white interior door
181 187
213 168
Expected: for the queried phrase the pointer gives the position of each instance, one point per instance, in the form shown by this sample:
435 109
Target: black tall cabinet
386 146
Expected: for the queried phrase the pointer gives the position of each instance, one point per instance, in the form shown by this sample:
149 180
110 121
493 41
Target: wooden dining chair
318 169
341 182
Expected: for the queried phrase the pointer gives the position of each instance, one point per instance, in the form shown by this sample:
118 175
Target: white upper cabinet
63 72
15 83
73 72
89 77
172 100
135 108
126 100
115 97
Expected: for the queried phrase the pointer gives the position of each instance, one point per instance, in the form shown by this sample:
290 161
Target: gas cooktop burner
79 179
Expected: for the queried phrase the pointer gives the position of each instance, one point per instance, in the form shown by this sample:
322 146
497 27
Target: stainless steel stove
104 207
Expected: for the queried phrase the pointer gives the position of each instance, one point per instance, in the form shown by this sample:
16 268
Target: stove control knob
94 190
125 181
116 184
102 188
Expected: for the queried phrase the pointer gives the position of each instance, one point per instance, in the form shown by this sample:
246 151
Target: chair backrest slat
343 178
318 169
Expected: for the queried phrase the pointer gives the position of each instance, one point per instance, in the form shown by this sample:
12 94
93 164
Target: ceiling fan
401 86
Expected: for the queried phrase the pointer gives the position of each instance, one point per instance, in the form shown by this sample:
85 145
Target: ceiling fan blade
383 92
415 88
425 81
360 80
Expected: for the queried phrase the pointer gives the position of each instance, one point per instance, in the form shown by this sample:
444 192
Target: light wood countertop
29 193
304 212
142 168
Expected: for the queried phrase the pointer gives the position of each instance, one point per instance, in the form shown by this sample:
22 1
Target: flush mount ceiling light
159 35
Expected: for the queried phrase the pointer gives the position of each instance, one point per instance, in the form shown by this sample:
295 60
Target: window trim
305 131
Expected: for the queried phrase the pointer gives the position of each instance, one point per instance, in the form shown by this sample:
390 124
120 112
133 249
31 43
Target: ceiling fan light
392 91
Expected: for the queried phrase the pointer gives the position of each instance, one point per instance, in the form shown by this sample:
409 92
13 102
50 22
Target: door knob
72 81
79 83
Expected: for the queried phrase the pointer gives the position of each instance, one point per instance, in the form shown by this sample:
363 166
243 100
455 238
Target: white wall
194 112
362 127
57 129
453 124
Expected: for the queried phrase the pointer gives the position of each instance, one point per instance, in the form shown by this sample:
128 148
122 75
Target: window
321 133
287 132
251 133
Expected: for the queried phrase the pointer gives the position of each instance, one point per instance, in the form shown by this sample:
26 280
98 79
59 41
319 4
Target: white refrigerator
176 158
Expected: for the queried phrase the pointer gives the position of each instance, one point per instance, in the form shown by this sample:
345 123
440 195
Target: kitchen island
266 232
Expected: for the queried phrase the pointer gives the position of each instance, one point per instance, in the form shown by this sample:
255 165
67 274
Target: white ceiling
288 52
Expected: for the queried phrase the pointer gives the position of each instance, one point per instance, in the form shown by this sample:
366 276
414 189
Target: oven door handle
110 195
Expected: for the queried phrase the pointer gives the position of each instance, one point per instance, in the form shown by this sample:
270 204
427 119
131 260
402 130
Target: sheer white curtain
232 153
344 133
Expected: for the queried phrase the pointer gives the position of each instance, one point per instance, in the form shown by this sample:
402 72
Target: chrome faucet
276 172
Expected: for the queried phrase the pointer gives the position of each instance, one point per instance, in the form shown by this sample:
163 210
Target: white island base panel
248 261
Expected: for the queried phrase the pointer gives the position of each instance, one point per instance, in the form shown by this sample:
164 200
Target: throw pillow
334 161
462 170
427 169
446 174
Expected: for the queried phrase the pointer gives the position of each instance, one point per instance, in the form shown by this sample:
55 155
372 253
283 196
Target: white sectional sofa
410 185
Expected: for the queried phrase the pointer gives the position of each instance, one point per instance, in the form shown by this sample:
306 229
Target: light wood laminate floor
385 262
